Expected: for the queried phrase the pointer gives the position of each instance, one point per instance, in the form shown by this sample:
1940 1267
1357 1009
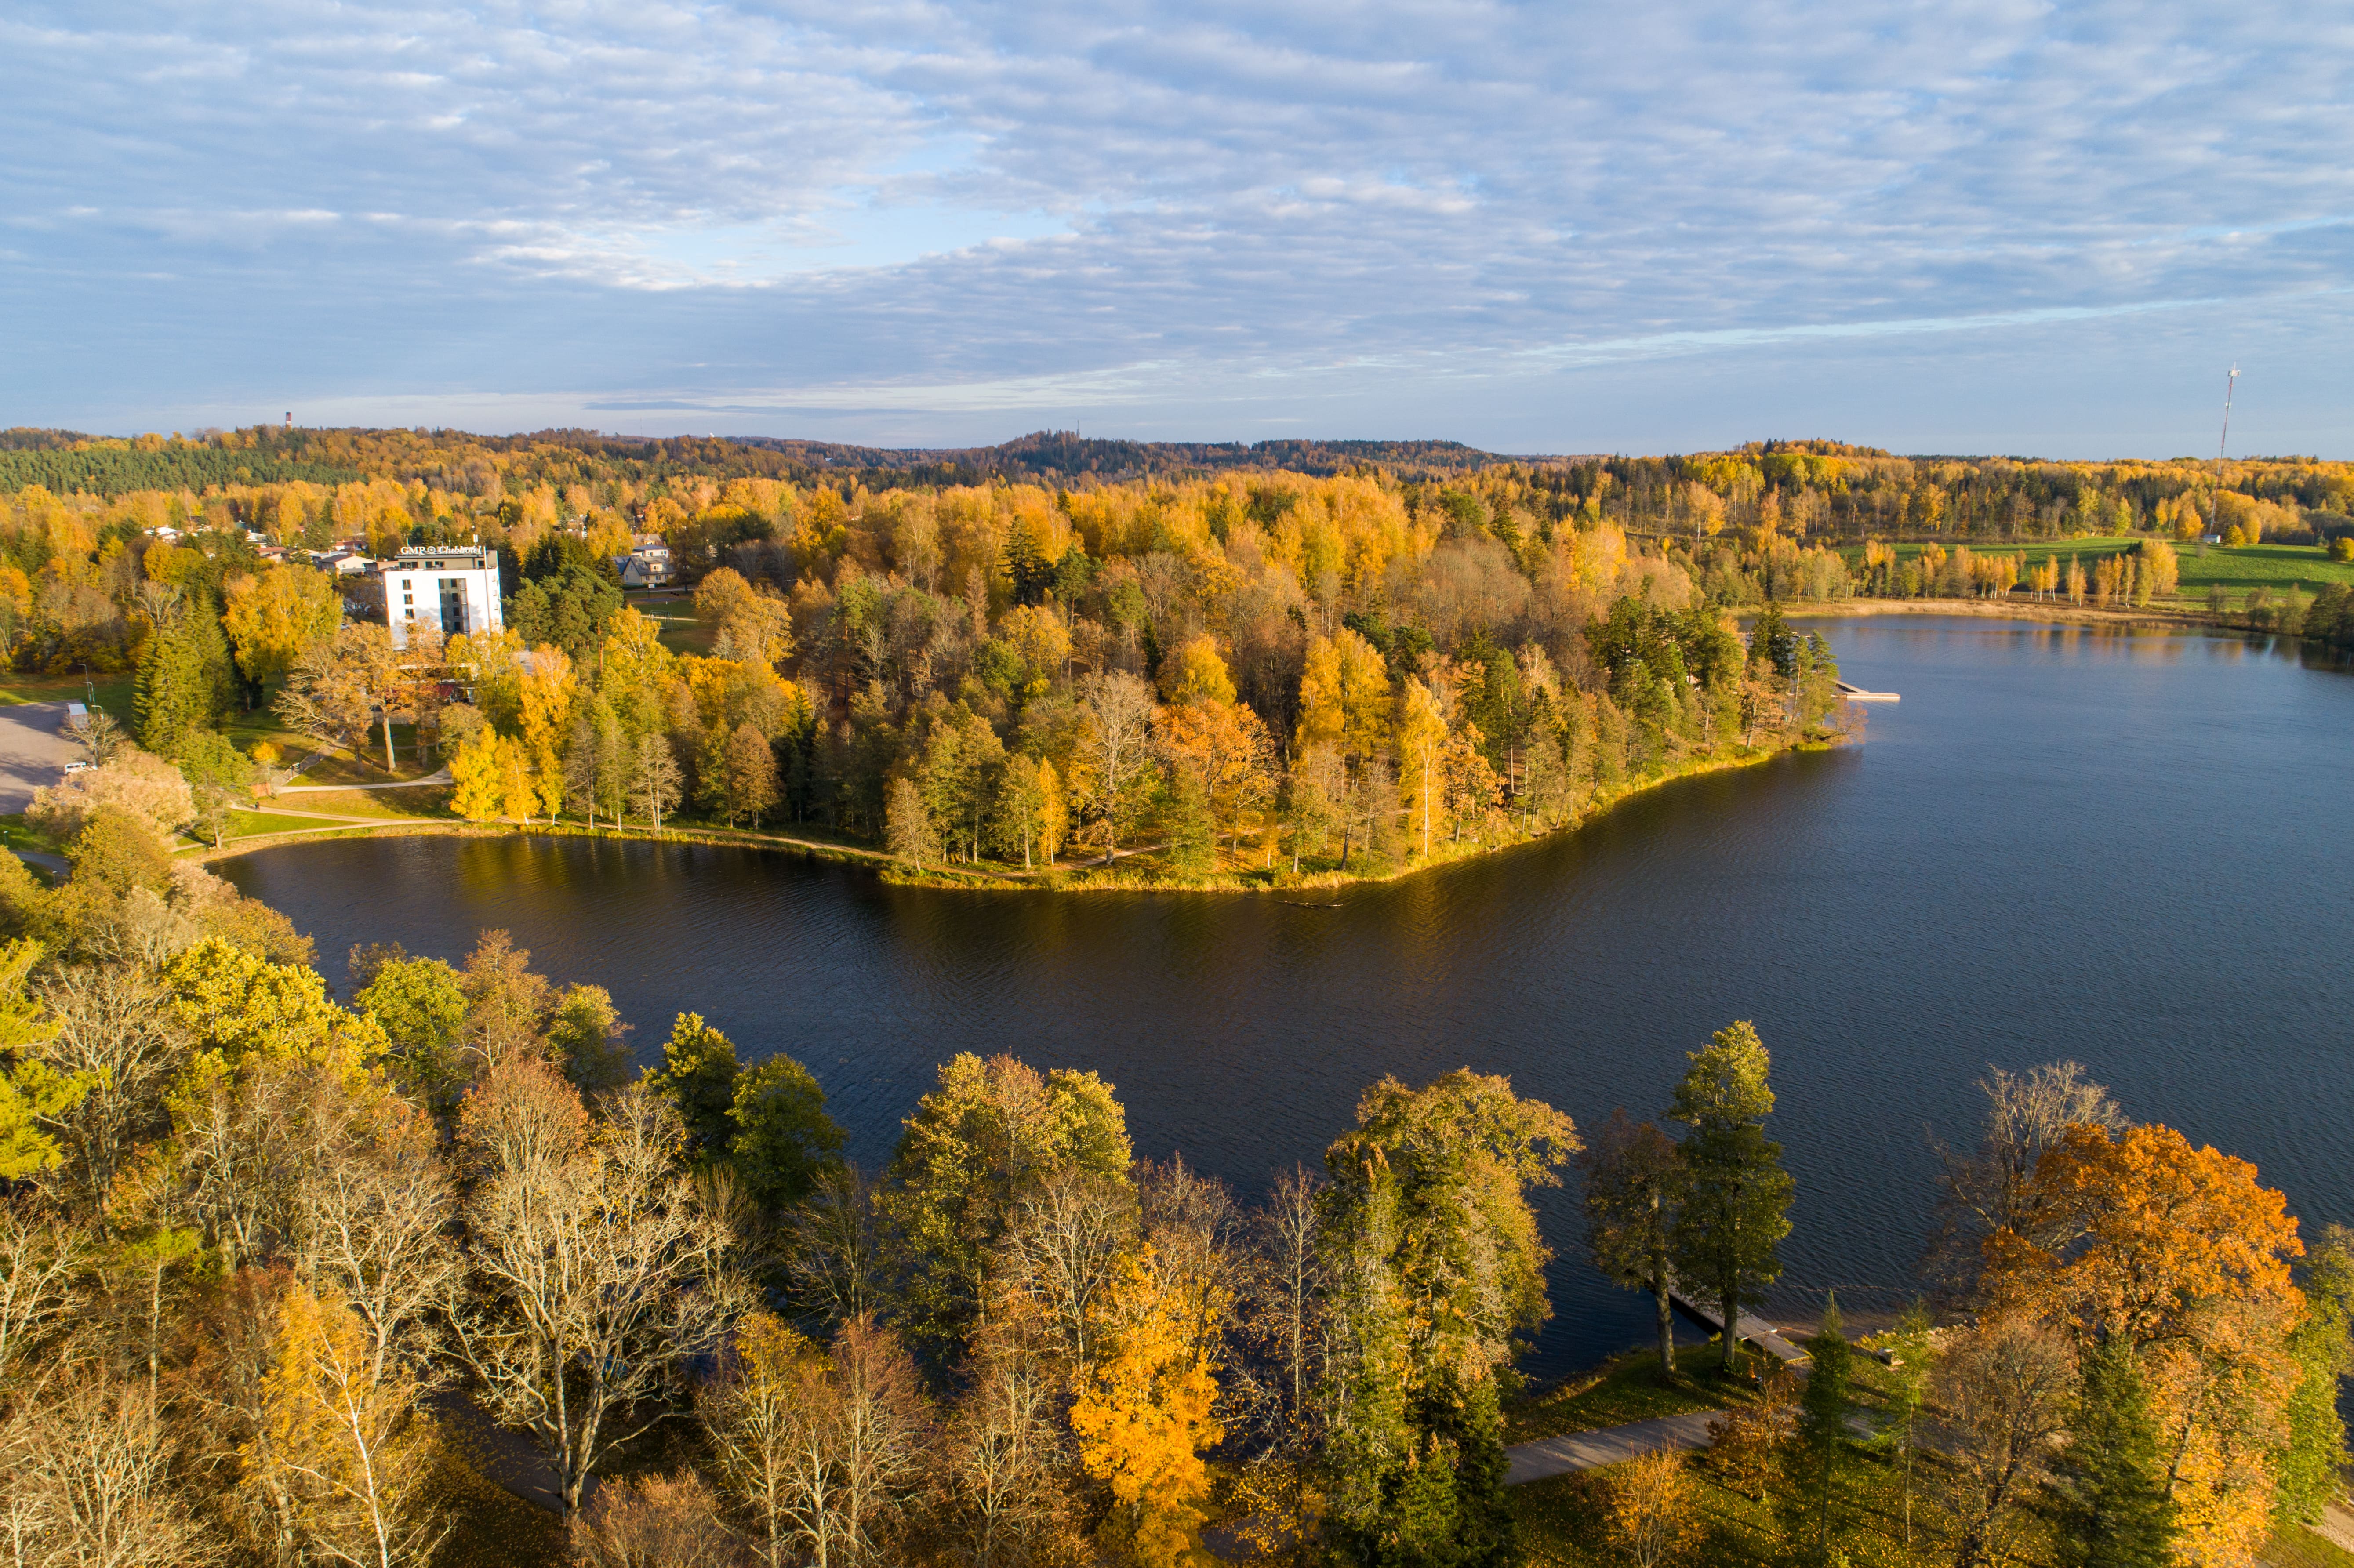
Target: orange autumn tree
1142 1415
1224 744
2183 1255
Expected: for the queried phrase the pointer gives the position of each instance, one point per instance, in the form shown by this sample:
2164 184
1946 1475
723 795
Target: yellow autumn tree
1054 818
240 1010
635 666
545 696
345 1442
1143 1412
1344 697
474 773
1422 764
1194 671
492 777
1222 743
272 617
493 659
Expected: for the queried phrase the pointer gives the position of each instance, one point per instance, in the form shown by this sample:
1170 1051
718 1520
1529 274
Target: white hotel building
453 590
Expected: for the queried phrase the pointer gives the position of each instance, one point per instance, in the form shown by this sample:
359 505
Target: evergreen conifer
2115 1512
1729 1231
1813 1504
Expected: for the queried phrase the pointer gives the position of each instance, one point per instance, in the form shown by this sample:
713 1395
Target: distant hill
1065 457
64 461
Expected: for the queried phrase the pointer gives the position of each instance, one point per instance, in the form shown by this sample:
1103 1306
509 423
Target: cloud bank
1988 226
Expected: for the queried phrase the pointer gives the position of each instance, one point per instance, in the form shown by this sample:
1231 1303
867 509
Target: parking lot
34 751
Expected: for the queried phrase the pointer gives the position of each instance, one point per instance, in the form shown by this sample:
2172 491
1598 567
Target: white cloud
975 208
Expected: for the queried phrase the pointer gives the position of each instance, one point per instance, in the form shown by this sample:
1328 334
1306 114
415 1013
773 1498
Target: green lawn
682 632
392 805
251 824
16 835
2303 1549
113 691
2273 567
1564 1521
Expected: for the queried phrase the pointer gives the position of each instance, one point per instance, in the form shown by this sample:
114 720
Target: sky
1982 226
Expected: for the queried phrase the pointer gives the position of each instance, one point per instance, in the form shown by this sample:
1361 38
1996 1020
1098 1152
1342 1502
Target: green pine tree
1736 1210
783 1137
2114 1511
2316 1444
698 1074
1192 836
1813 1503
182 683
1437 1274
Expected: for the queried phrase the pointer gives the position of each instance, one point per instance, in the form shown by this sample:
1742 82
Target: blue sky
1983 226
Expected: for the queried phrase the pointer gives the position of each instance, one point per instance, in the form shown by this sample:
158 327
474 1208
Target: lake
2132 850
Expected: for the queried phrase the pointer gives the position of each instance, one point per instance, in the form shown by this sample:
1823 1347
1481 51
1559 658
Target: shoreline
894 873
2152 619
1081 879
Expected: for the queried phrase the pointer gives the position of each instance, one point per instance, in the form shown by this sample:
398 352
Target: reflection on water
2064 841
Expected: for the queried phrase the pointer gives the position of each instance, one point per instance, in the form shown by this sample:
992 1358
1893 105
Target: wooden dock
1756 1331
1857 695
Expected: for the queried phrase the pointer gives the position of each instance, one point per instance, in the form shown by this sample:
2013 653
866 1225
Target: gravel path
1611 1446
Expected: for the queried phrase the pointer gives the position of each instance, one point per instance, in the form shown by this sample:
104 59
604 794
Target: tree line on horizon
1258 671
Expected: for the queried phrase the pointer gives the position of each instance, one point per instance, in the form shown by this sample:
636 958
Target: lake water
2130 850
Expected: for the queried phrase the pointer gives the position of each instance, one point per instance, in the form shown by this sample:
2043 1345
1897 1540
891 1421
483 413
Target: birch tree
592 1276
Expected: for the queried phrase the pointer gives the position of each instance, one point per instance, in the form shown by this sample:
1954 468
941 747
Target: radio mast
2215 517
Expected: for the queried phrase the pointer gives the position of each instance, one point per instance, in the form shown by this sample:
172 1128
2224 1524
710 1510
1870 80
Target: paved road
34 751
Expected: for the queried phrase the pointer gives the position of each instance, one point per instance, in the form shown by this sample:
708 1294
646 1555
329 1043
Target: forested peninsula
1059 662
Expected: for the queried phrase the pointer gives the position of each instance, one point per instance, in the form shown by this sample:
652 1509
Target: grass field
251 824
113 692
682 632
1565 1521
16 835
2273 567
391 805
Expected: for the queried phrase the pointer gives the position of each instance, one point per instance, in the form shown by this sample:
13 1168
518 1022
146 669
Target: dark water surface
2130 850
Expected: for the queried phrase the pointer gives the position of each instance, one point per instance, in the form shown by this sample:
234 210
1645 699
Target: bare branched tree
338 687
1196 1232
86 1481
40 1260
883 1434
655 1521
1282 1316
1006 1465
836 1246
592 1274
1120 709
1063 1246
375 1212
114 1026
245 1151
1989 1190
2000 1395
